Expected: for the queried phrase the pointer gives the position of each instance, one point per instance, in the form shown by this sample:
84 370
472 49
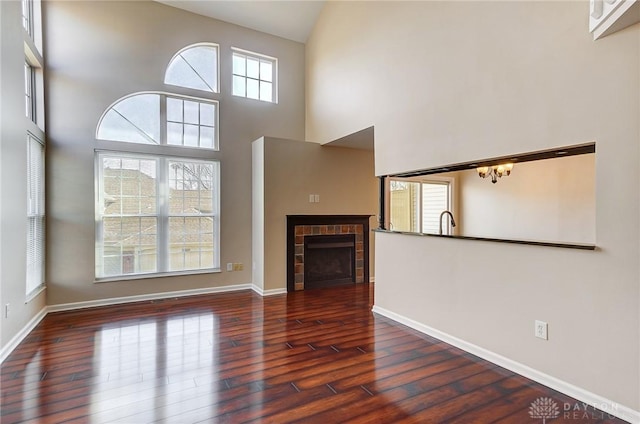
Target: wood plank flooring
318 356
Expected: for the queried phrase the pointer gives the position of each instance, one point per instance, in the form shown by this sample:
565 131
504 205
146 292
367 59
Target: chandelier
495 172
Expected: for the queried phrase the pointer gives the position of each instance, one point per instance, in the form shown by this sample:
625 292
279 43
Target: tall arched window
157 212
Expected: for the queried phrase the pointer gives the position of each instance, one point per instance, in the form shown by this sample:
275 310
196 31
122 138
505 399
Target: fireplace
327 250
329 260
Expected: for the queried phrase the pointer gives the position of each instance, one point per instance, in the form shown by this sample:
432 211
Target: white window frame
164 122
217 70
262 58
431 179
162 215
30 92
35 268
27 17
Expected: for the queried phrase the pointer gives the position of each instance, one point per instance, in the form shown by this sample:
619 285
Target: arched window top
134 118
161 119
196 67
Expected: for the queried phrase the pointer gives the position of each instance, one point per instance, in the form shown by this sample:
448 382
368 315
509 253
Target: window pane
207 135
191 135
239 64
174 133
129 245
195 67
404 198
191 112
266 71
254 77
190 243
253 68
239 86
174 109
132 241
134 119
435 200
253 90
35 215
27 16
28 87
266 91
207 114
129 186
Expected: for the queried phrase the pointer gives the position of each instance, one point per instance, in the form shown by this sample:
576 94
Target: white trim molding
22 334
270 292
606 405
144 297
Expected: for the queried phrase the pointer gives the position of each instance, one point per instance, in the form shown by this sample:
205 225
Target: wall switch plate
541 330
312 198
316 198
230 266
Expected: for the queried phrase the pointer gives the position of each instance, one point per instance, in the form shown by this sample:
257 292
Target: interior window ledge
580 246
131 277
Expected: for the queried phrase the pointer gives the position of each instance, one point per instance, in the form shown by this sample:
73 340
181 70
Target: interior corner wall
99 51
342 177
257 213
13 178
452 82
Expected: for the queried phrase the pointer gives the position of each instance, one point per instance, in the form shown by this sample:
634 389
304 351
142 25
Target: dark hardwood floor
319 356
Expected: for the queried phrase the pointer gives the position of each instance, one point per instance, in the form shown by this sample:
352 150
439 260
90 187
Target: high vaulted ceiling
292 20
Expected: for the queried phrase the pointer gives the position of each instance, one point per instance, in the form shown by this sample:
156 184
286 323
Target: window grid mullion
164 121
162 199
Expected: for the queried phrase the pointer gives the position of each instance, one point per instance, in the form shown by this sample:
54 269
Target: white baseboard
270 292
144 297
15 341
591 399
22 334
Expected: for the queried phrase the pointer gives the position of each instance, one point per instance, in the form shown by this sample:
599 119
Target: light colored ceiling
292 20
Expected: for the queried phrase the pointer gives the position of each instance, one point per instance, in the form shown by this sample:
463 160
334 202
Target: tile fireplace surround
299 226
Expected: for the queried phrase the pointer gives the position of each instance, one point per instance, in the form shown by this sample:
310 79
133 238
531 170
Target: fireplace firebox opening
327 250
329 260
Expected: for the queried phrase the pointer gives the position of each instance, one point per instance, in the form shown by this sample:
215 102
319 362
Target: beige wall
343 178
13 177
450 82
549 200
100 51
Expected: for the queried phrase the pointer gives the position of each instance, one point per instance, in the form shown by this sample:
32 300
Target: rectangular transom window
254 76
156 214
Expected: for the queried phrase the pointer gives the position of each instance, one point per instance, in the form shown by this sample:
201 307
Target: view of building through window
415 206
155 214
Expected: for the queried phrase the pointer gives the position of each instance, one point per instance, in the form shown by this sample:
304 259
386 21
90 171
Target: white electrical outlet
541 330
230 266
312 198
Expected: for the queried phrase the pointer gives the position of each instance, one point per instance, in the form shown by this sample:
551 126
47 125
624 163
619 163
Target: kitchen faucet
453 221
